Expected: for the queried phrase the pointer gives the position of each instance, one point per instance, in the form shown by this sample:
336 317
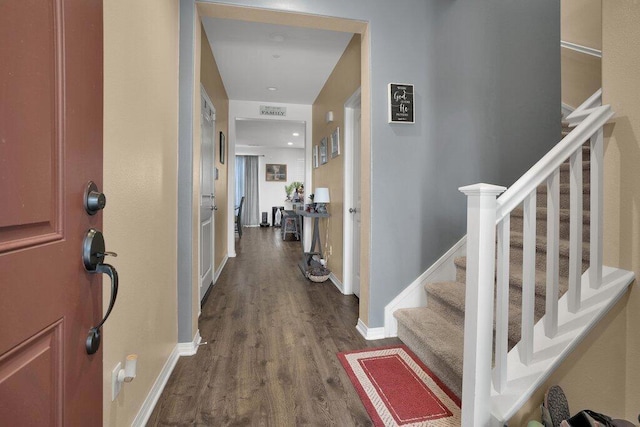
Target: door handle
93 257
352 210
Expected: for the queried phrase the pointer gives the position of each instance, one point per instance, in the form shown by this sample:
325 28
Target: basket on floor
318 279
317 273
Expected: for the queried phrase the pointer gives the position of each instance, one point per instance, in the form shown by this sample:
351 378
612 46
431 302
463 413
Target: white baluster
502 306
528 278
595 237
478 322
575 231
553 251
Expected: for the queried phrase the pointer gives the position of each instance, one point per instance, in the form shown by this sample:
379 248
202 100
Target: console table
305 262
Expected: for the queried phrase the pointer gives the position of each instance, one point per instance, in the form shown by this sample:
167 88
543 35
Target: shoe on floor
555 407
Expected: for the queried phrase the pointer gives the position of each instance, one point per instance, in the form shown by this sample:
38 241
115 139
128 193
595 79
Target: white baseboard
443 270
189 348
156 390
369 333
181 349
336 282
220 268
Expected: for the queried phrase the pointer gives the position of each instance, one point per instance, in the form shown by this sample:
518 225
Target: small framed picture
335 143
222 147
324 158
276 172
315 157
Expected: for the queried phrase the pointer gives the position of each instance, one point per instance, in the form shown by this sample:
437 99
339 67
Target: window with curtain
247 185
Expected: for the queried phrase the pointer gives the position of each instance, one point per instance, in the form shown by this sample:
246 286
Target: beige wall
212 82
581 76
140 175
581 23
621 79
341 84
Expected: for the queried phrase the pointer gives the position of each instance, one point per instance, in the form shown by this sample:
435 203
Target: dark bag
588 418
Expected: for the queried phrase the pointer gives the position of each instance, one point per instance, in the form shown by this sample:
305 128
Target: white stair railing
484 213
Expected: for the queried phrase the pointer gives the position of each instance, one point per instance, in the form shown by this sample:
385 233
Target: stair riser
515 256
564 173
565 200
450 376
541 227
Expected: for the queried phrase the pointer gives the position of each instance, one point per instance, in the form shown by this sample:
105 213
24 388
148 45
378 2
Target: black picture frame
401 103
222 147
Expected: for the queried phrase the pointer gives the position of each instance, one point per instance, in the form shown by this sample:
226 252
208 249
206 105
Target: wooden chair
238 221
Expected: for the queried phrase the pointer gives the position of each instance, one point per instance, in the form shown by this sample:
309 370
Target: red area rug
397 389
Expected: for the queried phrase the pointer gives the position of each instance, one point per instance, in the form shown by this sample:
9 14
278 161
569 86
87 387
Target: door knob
352 210
94 200
93 254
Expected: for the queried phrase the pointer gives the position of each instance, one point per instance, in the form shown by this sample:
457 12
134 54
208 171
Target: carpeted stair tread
447 298
436 340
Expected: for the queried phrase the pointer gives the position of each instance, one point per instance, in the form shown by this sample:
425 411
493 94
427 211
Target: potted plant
289 190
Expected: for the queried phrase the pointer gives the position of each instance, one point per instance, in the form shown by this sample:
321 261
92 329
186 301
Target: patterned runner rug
397 389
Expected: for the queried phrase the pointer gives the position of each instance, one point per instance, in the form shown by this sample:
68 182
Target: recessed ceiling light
296 134
272 88
289 143
279 38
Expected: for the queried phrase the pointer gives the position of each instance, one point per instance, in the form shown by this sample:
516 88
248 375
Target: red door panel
50 147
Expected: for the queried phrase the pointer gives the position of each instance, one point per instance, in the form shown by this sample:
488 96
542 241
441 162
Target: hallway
272 342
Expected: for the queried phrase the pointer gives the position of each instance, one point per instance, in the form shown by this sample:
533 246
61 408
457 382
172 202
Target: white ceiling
269 133
253 56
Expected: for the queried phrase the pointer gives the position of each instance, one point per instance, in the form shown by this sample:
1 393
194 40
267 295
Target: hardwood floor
272 342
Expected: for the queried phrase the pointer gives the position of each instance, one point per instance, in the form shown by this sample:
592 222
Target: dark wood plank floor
272 342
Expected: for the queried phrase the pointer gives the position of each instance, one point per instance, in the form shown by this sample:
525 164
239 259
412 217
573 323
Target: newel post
478 316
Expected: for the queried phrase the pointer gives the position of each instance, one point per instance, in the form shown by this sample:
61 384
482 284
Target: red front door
50 147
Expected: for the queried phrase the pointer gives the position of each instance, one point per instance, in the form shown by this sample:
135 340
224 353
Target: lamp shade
321 195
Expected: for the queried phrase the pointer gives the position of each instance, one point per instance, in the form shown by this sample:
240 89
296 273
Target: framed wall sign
276 172
324 158
335 143
401 103
316 161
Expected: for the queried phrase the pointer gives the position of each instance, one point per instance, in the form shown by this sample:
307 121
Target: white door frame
205 95
348 261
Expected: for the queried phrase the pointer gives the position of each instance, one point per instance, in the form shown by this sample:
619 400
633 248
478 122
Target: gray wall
474 64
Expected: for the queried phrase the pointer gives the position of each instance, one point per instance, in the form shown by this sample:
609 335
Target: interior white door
207 192
355 279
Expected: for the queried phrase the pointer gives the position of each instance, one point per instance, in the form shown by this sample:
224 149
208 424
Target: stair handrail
488 218
539 172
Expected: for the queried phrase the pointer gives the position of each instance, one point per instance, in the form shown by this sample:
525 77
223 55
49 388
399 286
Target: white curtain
247 185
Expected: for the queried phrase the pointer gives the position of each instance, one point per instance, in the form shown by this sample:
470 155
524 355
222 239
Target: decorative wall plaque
401 105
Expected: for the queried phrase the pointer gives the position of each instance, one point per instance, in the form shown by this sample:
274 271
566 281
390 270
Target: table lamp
321 198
